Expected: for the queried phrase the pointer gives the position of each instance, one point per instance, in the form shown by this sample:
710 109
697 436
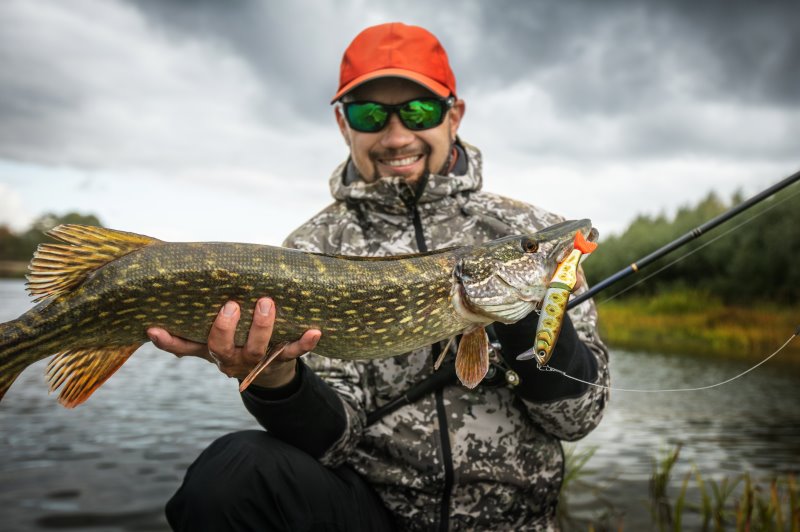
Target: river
111 464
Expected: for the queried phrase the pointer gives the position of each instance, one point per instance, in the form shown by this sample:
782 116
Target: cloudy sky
210 120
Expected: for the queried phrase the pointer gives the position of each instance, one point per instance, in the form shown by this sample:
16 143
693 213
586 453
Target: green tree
21 247
752 261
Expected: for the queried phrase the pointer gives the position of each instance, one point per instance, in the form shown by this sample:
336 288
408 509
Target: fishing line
640 281
635 390
612 388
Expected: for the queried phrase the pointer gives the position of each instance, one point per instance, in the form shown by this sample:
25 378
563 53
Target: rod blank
682 240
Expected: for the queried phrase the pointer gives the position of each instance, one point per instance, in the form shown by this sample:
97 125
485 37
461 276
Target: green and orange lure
554 304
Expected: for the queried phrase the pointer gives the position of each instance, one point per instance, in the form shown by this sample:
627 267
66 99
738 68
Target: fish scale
103 289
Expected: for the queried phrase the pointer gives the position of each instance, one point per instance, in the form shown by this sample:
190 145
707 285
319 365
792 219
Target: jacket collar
393 192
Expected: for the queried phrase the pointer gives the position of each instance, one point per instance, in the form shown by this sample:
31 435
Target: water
750 425
112 463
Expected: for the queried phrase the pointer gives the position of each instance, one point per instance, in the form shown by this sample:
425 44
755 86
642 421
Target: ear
343 128
456 114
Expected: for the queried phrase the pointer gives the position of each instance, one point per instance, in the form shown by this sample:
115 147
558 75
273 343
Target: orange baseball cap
396 50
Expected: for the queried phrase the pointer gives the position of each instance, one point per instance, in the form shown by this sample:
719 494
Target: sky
210 120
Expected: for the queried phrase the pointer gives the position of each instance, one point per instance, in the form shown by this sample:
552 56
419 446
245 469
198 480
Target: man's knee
230 473
251 480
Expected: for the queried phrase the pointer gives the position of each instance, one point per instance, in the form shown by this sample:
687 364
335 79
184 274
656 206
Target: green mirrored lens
367 116
421 114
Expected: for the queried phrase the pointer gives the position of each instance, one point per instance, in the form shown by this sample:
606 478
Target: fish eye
529 245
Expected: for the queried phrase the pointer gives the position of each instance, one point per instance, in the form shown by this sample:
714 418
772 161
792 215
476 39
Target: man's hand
238 361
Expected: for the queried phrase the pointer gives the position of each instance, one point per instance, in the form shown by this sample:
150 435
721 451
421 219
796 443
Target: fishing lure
554 304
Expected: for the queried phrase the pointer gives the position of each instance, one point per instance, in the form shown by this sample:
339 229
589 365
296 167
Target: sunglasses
417 114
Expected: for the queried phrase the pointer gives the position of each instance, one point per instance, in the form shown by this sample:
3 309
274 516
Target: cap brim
433 86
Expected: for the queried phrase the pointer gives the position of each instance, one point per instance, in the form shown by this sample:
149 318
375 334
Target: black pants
252 481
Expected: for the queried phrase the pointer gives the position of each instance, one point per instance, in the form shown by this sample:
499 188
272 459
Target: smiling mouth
405 161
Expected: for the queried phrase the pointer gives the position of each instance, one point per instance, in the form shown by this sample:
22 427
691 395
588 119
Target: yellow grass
700 325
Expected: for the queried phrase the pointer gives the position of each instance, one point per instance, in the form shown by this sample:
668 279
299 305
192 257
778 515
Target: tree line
21 246
753 263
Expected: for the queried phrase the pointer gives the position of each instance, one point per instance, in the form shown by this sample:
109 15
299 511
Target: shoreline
711 330
13 269
678 323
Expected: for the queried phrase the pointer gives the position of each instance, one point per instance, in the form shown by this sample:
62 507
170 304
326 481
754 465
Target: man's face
396 150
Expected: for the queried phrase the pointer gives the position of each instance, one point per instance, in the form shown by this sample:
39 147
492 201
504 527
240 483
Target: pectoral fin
472 359
82 371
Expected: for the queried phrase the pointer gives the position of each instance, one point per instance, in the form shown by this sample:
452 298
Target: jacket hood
393 193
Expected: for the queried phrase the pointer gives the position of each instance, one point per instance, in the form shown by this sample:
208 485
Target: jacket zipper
447 458
441 413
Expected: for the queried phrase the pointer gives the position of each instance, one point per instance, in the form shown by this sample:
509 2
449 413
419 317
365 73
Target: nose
395 134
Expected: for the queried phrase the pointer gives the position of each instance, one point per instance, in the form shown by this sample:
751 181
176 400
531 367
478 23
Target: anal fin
472 359
79 372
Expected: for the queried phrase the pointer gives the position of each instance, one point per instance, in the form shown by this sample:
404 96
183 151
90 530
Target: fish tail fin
56 270
77 371
12 360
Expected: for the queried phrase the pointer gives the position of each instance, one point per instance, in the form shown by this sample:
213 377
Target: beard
376 155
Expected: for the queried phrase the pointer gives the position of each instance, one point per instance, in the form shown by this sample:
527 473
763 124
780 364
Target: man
486 459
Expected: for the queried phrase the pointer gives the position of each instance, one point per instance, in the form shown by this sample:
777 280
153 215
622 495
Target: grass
699 324
734 503
737 502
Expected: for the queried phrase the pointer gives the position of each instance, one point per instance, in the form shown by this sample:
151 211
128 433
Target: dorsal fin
58 268
82 371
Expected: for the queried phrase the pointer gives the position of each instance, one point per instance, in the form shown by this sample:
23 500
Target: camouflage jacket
483 458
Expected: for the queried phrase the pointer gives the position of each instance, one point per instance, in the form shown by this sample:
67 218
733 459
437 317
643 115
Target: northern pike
101 289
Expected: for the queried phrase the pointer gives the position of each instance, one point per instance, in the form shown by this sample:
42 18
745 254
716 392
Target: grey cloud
646 69
290 45
605 56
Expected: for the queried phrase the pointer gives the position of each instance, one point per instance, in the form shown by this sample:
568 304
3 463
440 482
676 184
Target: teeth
401 162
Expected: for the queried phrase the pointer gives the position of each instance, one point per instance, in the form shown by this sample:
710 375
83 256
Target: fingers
221 336
175 345
221 348
580 281
300 347
260 329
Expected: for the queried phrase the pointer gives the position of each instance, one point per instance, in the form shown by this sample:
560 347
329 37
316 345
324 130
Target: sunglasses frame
447 104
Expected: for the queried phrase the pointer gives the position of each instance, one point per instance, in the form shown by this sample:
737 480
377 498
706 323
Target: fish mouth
504 312
566 237
517 280
563 235
507 303
522 296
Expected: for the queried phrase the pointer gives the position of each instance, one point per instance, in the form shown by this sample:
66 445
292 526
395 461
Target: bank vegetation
734 292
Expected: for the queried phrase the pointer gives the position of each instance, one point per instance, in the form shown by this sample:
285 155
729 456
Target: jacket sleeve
563 407
306 413
322 411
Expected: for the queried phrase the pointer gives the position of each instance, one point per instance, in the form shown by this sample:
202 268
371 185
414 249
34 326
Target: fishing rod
446 374
683 240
